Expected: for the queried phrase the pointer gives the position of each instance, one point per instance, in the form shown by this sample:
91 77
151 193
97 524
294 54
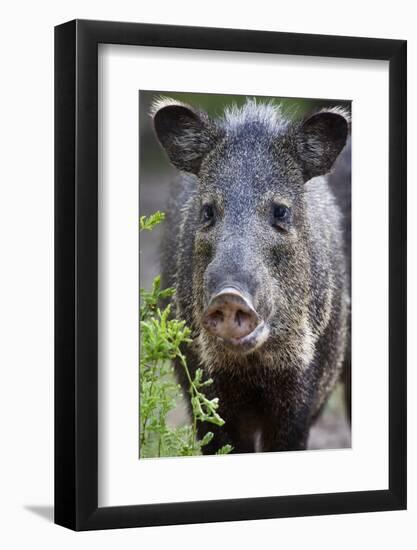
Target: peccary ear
187 135
320 139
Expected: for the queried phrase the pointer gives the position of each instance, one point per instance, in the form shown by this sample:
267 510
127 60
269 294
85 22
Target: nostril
241 317
215 318
245 321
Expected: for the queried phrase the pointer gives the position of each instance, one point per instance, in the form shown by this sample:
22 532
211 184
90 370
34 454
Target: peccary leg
287 431
288 398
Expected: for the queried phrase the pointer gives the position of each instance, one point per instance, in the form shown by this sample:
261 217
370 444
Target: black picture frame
76 272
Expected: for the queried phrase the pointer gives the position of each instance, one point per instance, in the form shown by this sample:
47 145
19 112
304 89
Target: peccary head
251 261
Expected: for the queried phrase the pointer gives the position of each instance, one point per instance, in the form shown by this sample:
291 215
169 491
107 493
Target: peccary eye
207 213
281 214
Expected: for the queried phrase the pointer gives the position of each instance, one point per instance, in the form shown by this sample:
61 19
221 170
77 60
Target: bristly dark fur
299 278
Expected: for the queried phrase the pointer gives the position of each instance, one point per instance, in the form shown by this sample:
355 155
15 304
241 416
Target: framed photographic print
230 275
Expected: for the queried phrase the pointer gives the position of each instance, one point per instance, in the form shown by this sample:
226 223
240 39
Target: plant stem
193 390
145 420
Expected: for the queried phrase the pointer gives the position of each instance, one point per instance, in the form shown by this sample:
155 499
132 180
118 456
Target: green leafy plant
161 338
149 222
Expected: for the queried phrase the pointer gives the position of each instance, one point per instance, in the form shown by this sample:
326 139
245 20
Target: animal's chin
248 343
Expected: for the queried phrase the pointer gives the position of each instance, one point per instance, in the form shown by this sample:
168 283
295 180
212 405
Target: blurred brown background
155 173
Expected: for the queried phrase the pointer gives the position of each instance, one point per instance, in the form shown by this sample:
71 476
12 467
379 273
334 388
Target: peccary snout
230 316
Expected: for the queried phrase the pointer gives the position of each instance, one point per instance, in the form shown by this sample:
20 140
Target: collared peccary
257 248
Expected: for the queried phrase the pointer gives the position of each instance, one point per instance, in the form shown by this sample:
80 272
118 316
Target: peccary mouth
248 343
231 317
